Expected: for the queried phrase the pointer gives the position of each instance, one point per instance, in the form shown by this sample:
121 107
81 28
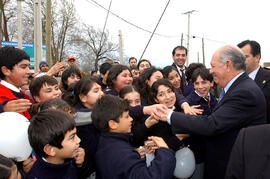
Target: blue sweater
197 143
117 159
45 170
88 134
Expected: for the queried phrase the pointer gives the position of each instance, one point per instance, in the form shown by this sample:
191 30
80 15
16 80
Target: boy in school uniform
115 157
14 73
201 95
202 81
44 88
52 135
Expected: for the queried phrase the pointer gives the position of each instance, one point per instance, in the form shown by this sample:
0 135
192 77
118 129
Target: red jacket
8 95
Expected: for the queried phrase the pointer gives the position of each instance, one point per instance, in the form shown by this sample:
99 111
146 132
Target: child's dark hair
203 73
49 127
141 83
55 103
67 73
104 67
82 87
114 72
108 108
37 83
68 95
167 70
127 89
143 60
10 56
5 167
190 69
154 89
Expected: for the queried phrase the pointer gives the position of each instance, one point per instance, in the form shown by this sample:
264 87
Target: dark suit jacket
182 83
243 105
263 81
250 157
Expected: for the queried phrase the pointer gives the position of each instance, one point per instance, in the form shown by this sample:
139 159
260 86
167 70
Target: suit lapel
235 84
259 79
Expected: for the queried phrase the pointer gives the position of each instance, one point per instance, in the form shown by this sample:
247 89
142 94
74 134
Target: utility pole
37 34
182 38
203 55
19 20
121 48
48 32
188 33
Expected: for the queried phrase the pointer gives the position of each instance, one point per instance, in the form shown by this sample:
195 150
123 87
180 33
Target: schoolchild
69 76
141 126
44 88
14 73
8 169
115 157
103 74
162 92
119 76
86 92
52 135
202 81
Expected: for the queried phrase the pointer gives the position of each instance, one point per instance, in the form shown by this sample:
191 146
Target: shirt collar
10 86
179 69
202 96
253 74
228 85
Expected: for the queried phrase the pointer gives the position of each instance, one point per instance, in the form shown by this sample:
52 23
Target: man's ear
5 70
113 124
49 150
229 64
156 100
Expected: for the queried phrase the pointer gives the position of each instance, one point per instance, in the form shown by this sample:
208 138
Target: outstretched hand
19 105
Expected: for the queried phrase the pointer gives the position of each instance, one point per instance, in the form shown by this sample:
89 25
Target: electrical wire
155 28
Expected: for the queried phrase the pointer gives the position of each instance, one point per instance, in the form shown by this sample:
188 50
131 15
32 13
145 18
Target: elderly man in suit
252 51
241 104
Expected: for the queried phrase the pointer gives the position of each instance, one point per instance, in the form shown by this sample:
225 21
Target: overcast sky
219 22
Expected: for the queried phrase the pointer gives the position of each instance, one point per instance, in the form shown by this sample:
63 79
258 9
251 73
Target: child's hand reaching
79 158
141 151
158 141
150 121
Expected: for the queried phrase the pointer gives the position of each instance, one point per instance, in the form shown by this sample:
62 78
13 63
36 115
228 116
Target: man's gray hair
235 55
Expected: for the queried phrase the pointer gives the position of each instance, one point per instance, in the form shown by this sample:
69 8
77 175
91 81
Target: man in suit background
179 55
242 105
252 51
250 154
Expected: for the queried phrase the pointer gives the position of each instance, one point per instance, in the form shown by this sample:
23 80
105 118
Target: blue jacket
45 170
88 134
117 159
197 142
195 99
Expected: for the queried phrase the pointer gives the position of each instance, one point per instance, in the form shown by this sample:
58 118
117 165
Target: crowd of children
101 127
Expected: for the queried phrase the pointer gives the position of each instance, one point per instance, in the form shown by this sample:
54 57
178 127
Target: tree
8 12
96 44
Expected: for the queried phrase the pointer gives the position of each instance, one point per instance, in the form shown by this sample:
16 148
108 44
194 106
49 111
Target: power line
96 4
155 28
130 23
104 26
